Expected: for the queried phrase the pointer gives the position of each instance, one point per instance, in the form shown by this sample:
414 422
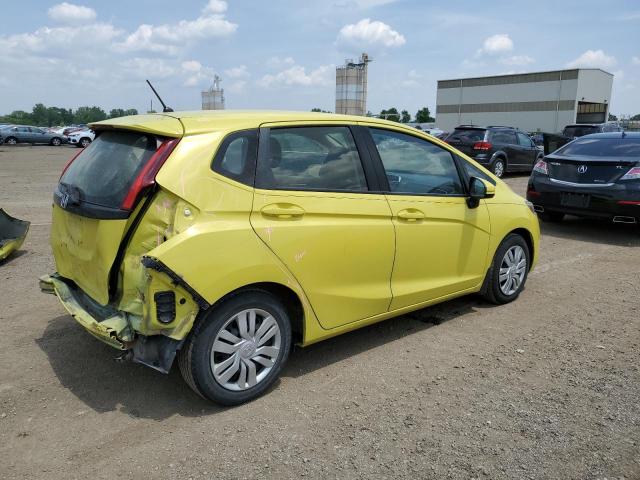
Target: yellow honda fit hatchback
224 237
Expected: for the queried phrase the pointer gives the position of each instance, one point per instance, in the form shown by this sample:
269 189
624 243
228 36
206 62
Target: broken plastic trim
12 234
157 265
157 352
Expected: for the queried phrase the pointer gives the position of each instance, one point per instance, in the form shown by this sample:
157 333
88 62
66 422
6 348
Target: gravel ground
545 387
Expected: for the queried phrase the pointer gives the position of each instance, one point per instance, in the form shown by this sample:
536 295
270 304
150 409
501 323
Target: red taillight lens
541 167
147 175
633 174
531 192
70 162
484 146
629 202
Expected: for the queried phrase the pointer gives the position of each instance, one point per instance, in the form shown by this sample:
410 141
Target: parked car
226 238
25 134
596 176
581 129
81 138
500 149
74 128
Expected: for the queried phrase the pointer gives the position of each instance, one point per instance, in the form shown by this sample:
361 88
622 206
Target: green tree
424 116
19 117
390 114
88 115
405 118
39 115
319 110
635 118
613 118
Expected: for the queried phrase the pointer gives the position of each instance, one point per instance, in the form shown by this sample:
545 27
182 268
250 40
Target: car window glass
503 136
602 147
311 158
23 129
416 166
237 155
468 135
474 171
524 140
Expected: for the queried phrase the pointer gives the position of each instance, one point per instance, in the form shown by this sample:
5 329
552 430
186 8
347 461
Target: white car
81 138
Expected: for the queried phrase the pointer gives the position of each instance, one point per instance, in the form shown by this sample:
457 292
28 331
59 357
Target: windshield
579 130
602 147
104 172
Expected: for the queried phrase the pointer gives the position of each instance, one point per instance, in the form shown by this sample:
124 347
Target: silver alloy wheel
498 168
245 349
55 142
11 141
512 270
85 142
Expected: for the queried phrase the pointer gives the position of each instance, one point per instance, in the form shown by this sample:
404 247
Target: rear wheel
551 216
10 140
236 352
56 142
498 167
509 269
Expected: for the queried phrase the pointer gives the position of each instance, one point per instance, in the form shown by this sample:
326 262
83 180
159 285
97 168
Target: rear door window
311 158
105 171
524 140
416 166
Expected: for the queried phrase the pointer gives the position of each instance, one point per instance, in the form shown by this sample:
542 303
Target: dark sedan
596 176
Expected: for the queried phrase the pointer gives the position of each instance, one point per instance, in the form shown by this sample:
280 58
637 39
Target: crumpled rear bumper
12 234
107 325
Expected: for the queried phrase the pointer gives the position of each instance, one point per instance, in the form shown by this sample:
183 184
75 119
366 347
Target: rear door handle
282 210
411 215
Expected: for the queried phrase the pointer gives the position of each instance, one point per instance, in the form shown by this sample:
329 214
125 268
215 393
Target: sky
282 54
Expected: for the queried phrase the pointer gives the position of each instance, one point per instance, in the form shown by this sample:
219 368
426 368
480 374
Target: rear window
580 130
602 147
467 134
104 172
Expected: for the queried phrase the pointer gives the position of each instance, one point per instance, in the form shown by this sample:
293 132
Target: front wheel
498 167
236 352
508 272
84 142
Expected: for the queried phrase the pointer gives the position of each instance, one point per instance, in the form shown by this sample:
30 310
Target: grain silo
351 87
213 99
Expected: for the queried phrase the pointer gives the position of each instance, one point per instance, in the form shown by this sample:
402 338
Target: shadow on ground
88 368
594 231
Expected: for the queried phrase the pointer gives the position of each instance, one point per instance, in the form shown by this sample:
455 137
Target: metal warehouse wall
544 101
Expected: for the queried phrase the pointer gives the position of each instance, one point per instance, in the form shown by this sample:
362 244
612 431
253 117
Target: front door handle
411 215
282 210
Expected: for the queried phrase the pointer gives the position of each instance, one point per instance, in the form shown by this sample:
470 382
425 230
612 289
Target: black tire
491 289
194 358
499 167
552 217
56 142
11 140
84 142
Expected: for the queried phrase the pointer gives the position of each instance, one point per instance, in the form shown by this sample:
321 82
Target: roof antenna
165 109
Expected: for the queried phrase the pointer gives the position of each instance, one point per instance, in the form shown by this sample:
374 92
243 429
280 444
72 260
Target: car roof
620 135
202 121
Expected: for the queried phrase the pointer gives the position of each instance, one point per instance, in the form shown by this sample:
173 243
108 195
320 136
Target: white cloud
362 4
635 60
192 66
70 13
277 62
496 44
59 41
155 68
517 60
297 75
237 72
215 7
412 80
171 39
593 59
366 33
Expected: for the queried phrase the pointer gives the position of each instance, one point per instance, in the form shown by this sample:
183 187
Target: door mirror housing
479 189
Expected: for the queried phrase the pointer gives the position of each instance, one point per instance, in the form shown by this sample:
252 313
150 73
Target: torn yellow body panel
12 234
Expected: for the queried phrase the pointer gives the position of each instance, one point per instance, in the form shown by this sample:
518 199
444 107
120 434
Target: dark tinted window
104 172
416 166
524 140
311 158
503 136
236 157
467 134
580 130
602 147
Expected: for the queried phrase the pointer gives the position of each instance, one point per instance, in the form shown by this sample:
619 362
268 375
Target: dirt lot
546 387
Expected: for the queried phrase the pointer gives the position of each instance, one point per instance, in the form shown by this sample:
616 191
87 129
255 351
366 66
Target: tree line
43 116
422 116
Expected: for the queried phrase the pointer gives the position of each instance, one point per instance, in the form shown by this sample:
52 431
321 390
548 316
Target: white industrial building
540 101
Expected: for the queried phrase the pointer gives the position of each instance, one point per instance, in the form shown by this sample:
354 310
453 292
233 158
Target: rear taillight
484 146
147 175
69 163
541 167
633 174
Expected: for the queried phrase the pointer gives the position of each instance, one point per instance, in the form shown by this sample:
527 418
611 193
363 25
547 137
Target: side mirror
479 189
